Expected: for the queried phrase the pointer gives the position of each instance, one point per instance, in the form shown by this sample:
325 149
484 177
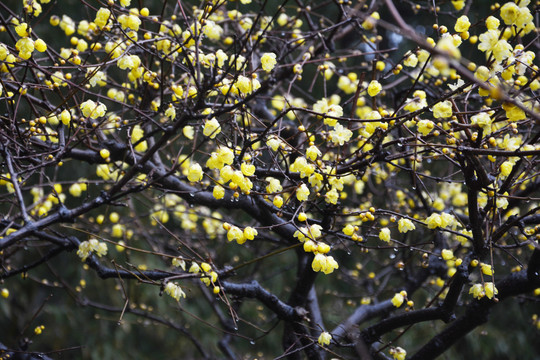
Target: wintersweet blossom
102 17
447 254
348 230
211 128
405 225
65 117
488 40
506 168
313 152
399 353
425 126
92 109
510 13
398 299
479 291
462 24
250 233
268 61
374 88
324 107
137 134
326 264
340 135
218 192
302 193
324 338
179 262
195 172
385 235
174 291
236 234
91 246
332 196
442 109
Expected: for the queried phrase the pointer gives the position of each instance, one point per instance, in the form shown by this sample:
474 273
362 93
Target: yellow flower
447 45
340 135
23 30
501 50
399 353
211 128
136 135
90 246
418 102
194 268
458 4
425 126
486 269
348 230
188 131
492 23
92 109
102 17
195 172
513 113
477 291
278 201
384 234
397 300
218 192
247 85
131 22
447 254
250 233
313 152
268 61
374 88
324 263
324 338
25 47
411 60
434 221
235 233
178 262
65 117
509 13
332 196
212 30
442 109
462 24
506 168
274 185
170 112
488 40
174 291
490 290
129 62
40 45
483 120
326 108
221 57
302 193
247 169
405 225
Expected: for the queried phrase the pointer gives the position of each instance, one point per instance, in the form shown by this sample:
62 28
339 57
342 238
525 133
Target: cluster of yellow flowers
92 246
308 236
480 290
239 235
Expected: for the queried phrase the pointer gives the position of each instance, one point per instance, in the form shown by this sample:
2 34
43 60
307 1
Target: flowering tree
321 174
